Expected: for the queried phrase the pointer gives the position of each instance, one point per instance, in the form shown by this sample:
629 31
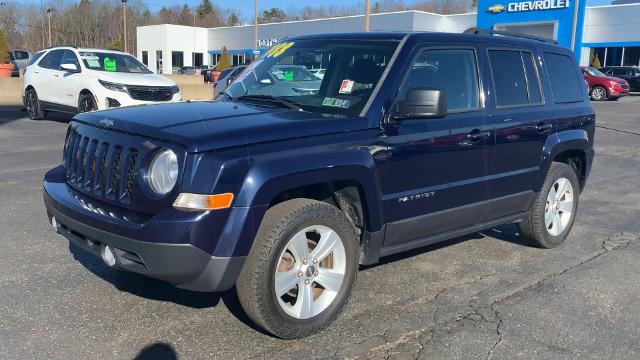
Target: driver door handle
476 136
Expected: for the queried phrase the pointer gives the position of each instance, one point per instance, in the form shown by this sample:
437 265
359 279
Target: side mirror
69 67
424 103
265 81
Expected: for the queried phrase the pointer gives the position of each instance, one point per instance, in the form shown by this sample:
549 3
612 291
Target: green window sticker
339 103
288 76
109 64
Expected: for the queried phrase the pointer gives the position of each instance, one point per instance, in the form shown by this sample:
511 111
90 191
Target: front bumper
181 264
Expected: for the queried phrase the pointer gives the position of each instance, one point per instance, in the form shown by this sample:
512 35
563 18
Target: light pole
124 17
255 30
49 11
42 22
367 10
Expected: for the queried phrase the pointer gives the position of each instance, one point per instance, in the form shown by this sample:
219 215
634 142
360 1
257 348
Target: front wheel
86 103
598 93
301 268
34 109
554 209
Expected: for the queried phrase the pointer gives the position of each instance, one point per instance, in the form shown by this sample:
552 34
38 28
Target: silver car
20 57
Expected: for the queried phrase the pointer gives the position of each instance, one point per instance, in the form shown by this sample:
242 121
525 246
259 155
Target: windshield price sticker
339 103
109 64
346 87
288 76
278 50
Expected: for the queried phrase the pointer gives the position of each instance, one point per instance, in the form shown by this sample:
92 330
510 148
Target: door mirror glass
421 103
69 67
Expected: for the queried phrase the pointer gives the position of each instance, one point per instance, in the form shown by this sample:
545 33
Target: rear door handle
477 135
543 127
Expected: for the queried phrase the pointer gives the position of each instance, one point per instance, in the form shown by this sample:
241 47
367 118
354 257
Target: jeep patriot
287 182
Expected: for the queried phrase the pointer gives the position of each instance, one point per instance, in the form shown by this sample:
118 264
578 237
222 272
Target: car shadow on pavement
507 232
158 290
10 113
159 351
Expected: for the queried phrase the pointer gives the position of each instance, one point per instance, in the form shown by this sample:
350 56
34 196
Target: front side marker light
203 202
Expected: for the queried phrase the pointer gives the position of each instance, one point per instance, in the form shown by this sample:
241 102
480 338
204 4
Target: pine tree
225 60
205 8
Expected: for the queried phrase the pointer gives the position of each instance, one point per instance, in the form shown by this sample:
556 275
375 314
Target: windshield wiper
272 100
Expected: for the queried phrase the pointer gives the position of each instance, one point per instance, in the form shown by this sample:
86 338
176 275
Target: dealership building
611 32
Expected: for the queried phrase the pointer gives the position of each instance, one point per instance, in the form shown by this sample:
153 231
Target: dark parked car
284 196
604 87
189 70
630 73
227 76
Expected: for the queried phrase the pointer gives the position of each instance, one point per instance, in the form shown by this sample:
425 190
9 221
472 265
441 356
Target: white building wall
612 23
459 23
168 38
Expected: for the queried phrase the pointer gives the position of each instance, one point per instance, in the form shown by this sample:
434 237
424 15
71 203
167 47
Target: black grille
100 168
150 93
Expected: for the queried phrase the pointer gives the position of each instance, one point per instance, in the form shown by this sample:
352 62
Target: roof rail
55 46
479 31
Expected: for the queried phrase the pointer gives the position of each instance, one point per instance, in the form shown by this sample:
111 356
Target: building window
159 61
177 61
145 58
197 59
631 56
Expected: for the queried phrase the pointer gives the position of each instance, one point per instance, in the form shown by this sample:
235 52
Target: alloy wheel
559 206
598 93
32 104
310 272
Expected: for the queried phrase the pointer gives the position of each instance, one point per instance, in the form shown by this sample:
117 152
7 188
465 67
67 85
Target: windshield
352 69
594 72
112 62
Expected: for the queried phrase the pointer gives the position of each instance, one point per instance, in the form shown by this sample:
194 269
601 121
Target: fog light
107 256
112 103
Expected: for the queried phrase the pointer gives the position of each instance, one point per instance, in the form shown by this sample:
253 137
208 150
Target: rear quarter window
563 75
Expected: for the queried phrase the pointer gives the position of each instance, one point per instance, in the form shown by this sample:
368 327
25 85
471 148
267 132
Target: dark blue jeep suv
288 182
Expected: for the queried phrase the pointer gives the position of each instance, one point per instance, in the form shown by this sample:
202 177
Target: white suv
73 80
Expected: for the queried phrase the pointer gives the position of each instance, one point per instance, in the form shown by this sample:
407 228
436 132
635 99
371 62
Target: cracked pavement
487 295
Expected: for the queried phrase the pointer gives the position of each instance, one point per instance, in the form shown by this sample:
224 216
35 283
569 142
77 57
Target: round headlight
163 172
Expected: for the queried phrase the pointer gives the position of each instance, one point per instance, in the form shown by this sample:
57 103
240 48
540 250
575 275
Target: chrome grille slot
107 164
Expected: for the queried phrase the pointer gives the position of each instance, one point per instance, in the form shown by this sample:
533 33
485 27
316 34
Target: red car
603 87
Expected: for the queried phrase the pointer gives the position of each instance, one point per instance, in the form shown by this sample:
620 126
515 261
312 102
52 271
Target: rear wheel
554 209
598 93
34 109
86 103
301 268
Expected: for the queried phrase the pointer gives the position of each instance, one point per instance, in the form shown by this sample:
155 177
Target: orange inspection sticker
346 87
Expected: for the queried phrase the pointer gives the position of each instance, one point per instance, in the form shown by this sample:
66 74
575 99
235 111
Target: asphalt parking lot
488 295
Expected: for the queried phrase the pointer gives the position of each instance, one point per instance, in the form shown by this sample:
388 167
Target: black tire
86 103
32 103
533 228
598 93
255 286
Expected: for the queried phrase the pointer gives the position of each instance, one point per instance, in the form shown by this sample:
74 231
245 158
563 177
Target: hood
618 80
209 125
150 79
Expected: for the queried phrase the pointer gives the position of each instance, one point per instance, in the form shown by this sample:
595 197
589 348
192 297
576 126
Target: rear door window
21 55
515 78
565 81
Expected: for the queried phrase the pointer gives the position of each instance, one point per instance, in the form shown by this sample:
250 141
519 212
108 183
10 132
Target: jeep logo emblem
106 122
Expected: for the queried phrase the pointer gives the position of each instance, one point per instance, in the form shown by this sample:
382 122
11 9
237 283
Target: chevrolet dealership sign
521 6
